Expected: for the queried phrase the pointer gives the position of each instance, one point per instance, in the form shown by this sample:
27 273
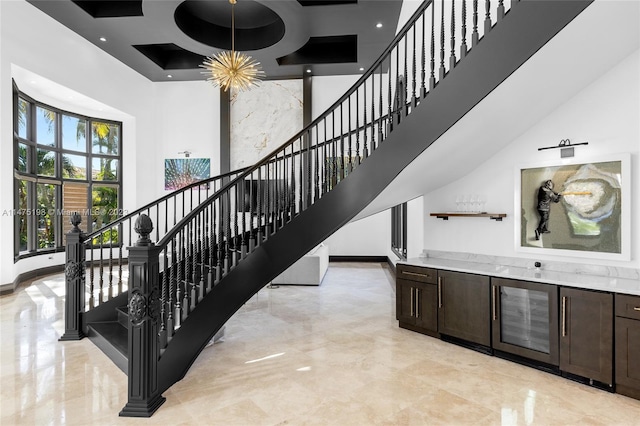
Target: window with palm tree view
64 163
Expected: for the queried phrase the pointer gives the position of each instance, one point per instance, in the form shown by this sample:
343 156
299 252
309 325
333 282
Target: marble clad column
264 118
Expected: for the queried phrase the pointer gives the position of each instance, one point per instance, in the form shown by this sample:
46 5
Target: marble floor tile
293 355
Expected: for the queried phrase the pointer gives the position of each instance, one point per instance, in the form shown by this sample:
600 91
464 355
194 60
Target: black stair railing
96 263
175 274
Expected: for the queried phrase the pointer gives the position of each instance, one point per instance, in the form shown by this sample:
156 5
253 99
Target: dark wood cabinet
627 345
586 334
416 299
524 319
464 306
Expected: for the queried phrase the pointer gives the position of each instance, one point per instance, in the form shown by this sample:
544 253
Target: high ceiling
167 40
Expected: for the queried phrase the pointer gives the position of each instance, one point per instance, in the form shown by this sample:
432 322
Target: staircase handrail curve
378 62
89 237
273 154
204 278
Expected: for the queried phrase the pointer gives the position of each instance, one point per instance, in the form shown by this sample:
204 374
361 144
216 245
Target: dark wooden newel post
74 278
144 310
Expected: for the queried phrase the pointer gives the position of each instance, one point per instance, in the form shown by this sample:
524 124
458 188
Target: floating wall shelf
495 216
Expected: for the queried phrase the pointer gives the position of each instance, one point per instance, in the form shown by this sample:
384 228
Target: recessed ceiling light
308 71
103 39
361 68
379 25
169 76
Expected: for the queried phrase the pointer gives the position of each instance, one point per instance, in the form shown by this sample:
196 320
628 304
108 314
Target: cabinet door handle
415 274
495 302
417 303
637 308
412 302
564 316
439 292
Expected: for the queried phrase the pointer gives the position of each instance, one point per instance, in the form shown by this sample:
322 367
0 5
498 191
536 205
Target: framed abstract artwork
574 207
180 172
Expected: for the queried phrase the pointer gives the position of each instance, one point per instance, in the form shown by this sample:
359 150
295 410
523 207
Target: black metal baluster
342 164
188 274
432 78
301 175
334 153
414 101
252 231
227 233
236 245
317 170
373 111
120 244
204 245
405 87
175 210
162 335
179 265
463 46
101 295
262 231
91 276
325 181
423 74
357 156
110 264
172 289
397 109
350 152
212 246
220 271
452 58
442 70
475 37
292 205
390 116
487 18
365 154
243 209
273 188
195 280
500 10
380 131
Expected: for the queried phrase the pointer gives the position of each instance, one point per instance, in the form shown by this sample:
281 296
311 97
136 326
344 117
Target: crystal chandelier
232 69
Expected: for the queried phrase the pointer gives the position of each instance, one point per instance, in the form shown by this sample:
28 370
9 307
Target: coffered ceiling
167 40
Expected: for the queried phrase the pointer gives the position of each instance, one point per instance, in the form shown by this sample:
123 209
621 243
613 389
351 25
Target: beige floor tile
327 355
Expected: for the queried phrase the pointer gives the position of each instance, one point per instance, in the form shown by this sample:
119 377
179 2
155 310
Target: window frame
32 179
399 230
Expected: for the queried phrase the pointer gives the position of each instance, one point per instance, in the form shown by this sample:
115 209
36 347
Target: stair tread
114 333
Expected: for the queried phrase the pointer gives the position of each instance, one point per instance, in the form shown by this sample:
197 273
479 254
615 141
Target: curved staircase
259 221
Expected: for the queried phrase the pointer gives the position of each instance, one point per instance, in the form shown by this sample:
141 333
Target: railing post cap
143 227
75 220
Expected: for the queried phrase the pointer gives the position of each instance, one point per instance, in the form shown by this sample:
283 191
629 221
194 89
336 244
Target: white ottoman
308 270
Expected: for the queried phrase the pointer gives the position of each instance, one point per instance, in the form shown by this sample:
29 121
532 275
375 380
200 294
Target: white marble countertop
569 279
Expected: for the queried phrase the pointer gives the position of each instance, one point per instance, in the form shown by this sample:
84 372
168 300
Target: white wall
187 119
370 236
605 114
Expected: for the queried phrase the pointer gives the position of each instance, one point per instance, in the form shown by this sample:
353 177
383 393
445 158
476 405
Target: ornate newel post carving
144 290
74 278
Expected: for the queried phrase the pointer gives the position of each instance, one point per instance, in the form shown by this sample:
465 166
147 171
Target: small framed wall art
574 208
180 172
